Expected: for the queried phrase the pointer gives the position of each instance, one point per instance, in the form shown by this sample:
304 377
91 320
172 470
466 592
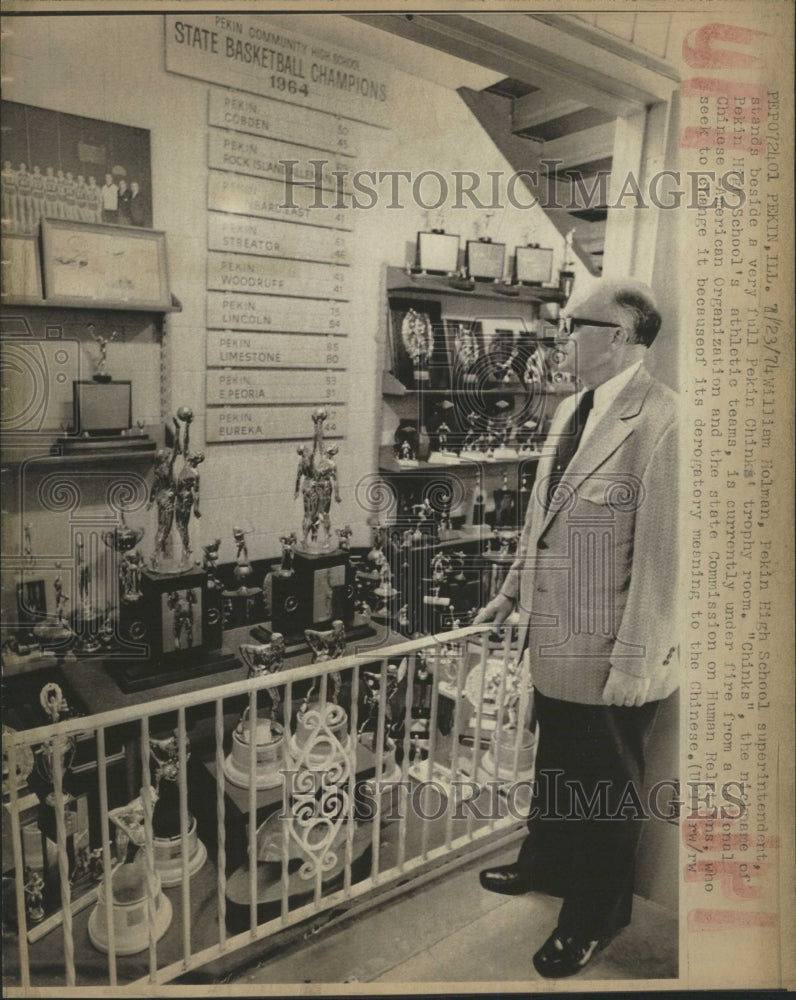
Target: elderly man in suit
594 585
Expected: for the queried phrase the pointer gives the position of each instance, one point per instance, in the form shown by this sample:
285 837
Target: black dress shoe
562 956
508 879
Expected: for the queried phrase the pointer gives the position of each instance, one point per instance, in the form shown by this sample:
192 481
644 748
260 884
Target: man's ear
621 336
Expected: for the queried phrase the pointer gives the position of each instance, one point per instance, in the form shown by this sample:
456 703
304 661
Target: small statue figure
175 493
187 501
442 436
61 598
181 605
316 479
344 534
130 575
328 645
288 543
163 493
166 814
267 658
101 360
34 896
417 335
328 485
210 563
28 545
83 579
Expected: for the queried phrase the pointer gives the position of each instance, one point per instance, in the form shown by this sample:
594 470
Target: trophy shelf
409 285
389 464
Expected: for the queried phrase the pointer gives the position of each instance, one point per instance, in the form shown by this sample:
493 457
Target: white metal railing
418 761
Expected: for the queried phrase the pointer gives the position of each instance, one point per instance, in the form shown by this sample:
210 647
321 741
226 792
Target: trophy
267 733
417 335
166 814
62 748
100 375
321 734
317 481
55 632
124 540
288 543
566 276
239 604
267 658
176 495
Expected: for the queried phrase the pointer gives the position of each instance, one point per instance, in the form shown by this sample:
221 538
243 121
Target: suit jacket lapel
614 426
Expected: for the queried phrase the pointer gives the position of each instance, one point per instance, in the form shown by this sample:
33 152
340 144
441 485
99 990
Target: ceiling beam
541 107
489 41
590 144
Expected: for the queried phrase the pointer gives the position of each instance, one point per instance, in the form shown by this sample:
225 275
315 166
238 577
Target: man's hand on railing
496 612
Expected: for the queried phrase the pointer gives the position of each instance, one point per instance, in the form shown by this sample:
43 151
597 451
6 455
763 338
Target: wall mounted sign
264 387
266 199
267 423
270 276
277 239
232 311
275 120
246 154
250 54
229 349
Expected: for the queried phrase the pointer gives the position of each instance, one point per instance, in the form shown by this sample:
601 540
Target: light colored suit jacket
595 579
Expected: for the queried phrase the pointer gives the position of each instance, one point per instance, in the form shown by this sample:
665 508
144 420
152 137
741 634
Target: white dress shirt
604 395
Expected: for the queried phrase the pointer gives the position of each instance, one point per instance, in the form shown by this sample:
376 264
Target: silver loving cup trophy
59 748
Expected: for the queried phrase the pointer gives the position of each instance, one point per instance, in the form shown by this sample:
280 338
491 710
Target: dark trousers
586 817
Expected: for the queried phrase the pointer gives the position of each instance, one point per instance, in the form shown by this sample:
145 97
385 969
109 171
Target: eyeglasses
567 325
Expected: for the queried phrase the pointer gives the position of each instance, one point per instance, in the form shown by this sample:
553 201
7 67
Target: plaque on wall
247 154
229 349
229 387
248 53
267 423
237 272
236 311
277 239
246 112
266 199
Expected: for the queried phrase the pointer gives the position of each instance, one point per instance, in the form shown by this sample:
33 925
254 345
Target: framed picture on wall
69 167
21 273
111 267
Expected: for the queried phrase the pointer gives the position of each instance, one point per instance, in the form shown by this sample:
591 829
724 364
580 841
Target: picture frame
102 408
533 265
21 273
485 261
104 266
438 252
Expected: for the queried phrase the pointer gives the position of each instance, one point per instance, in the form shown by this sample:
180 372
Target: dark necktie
569 441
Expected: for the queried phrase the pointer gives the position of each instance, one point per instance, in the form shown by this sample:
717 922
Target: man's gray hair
641 306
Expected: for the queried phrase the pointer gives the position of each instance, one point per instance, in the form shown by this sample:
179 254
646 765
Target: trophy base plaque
175 629
130 912
168 856
140 675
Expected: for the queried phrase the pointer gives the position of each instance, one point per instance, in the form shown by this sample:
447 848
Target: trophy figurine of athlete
63 748
176 495
317 481
100 375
